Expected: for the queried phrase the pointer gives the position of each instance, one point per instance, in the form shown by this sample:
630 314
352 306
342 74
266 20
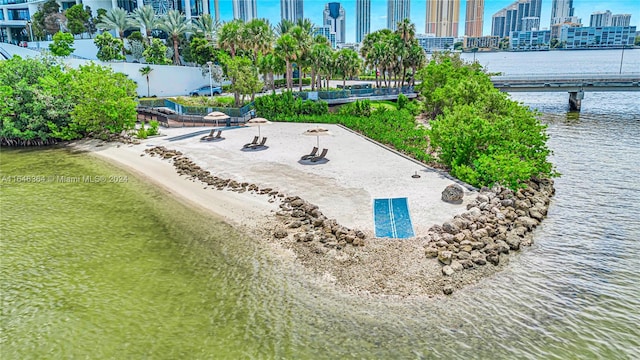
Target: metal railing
345 94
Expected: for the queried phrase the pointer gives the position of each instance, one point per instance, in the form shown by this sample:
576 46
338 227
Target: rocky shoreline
462 251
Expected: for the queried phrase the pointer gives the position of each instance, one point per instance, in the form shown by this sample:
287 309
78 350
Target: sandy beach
358 171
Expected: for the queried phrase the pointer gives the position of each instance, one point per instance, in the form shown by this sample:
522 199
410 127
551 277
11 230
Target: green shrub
478 132
142 132
153 128
278 106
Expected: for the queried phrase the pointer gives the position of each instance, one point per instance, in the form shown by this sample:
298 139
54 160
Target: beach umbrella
216 116
258 122
317 132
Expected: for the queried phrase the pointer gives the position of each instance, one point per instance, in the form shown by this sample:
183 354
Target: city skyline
313 10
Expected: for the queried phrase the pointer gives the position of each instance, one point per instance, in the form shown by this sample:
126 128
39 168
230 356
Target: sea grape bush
49 101
481 135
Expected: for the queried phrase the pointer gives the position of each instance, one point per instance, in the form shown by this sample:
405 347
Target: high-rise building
291 10
600 18
443 17
620 19
561 11
363 19
326 32
511 17
244 10
397 10
334 18
474 19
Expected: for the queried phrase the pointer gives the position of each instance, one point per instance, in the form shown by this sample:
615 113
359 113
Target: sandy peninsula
343 188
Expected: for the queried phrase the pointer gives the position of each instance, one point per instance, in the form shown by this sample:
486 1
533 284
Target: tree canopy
47 101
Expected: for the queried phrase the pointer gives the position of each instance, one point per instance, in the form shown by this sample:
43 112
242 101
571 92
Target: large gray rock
453 194
445 257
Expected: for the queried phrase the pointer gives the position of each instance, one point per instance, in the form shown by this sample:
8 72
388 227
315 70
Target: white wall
84 48
164 80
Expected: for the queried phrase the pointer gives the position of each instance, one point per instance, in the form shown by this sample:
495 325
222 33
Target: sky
313 9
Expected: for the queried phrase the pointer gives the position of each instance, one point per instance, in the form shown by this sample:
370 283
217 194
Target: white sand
358 171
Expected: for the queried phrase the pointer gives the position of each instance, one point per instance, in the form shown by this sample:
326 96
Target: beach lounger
210 136
218 135
261 144
252 143
312 154
321 156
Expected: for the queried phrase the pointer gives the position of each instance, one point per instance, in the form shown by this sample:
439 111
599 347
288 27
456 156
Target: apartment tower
334 18
244 10
291 10
474 19
443 17
363 19
397 10
561 11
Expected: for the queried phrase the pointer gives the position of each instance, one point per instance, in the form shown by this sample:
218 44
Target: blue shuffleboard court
392 219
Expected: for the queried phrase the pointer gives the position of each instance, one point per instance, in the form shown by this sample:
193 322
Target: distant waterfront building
529 40
326 32
363 19
291 10
442 17
397 10
557 29
600 18
430 43
474 18
504 21
561 11
598 37
530 23
481 42
621 20
244 10
511 17
334 18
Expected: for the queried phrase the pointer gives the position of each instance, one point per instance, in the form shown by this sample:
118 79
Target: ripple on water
146 282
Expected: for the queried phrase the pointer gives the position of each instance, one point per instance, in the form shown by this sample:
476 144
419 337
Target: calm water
118 270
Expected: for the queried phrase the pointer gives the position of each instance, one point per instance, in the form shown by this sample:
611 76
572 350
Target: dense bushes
279 106
395 128
45 101
478 132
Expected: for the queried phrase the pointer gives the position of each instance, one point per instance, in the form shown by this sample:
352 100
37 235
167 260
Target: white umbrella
216 115
317 132
257 122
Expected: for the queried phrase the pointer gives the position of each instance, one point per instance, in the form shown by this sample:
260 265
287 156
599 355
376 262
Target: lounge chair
309 156
218 135
264 140
321 156
210 136
252 143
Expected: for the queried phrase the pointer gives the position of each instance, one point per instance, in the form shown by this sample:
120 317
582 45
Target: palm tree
303 38
348 62
258 37
268 65
319 55
284 26
146 18
145 71
206 25
416 59
116 19
230 36
407 33
175 24
287 48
